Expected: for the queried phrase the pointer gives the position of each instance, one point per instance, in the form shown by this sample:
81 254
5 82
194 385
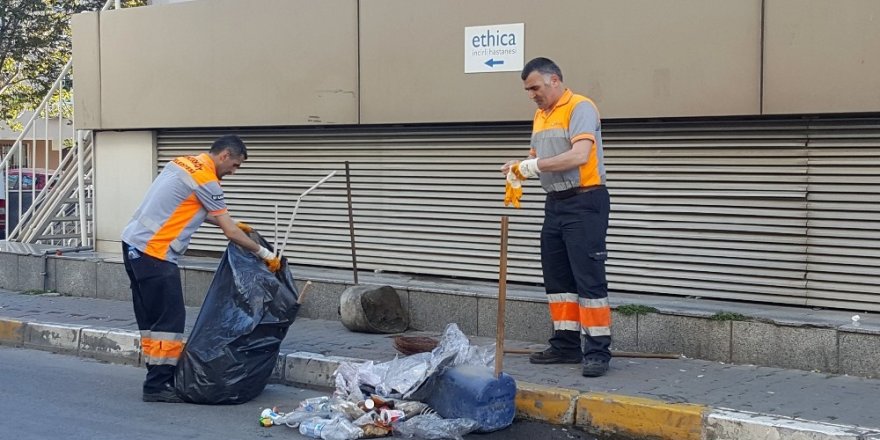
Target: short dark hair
544 66
229 142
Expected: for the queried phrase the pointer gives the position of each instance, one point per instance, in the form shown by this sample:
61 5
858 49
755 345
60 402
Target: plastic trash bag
433 427
235 341
411 377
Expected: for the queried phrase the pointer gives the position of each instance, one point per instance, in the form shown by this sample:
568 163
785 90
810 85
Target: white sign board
497 48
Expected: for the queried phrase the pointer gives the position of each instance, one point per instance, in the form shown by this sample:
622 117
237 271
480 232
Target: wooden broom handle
502 296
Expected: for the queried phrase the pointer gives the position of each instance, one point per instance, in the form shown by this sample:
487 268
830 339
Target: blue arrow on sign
491 62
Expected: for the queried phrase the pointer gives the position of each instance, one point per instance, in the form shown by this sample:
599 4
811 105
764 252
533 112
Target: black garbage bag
234 344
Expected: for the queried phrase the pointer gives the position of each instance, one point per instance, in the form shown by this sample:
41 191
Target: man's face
228 164
542 89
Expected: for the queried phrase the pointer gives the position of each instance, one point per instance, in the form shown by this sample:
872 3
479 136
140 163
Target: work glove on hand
512 190
272 262
246 228
526 169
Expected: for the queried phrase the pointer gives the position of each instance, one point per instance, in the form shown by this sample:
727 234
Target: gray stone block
698 338
523 320
110 346
195 285
433 311
624 332
30 273
322 300
9 271
76 277
803 348
52 337
113 282
312 369
859 353
278 372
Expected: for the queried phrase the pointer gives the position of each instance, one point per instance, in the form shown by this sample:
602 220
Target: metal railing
48 196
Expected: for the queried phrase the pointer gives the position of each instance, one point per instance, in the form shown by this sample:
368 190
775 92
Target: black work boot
594 367
166 394
553 356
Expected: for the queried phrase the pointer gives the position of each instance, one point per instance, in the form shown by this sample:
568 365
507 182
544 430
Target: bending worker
567 155
185 194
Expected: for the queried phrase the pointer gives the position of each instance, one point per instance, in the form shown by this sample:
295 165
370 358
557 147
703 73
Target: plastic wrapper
294 418
410 377
433 427
234 344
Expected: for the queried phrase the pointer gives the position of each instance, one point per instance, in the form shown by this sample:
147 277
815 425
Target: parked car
27 179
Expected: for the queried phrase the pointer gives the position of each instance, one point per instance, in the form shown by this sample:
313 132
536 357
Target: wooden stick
502 296
302 294
623 354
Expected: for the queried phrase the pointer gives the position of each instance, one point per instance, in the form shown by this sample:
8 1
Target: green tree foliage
35 44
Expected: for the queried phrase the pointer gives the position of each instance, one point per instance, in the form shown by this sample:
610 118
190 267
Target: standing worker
567 155
185 194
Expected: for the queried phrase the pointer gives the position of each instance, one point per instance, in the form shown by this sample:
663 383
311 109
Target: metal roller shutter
844 225
716 209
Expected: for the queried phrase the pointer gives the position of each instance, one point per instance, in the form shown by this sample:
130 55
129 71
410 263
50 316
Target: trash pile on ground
443 394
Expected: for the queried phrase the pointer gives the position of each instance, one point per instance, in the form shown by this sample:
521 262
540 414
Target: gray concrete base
772 336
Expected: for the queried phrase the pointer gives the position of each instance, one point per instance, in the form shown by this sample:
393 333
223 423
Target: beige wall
120 189
822 56
87 70
635 58
232 63
229 63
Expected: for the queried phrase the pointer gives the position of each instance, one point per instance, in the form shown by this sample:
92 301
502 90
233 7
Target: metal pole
354 263
502 297
81 190
296 207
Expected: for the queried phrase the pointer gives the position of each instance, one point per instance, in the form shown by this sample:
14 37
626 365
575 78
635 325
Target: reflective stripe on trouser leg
157 297
161 348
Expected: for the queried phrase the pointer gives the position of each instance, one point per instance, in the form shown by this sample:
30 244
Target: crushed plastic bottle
315 404
337 428
313 427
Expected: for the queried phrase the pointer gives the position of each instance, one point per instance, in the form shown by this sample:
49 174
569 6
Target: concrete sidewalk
671 399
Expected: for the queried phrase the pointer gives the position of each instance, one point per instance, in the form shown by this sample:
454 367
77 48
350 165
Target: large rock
372 309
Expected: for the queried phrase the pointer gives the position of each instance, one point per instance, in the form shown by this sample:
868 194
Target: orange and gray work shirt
185 192
572 118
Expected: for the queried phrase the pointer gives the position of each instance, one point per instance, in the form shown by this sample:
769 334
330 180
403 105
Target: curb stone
594 412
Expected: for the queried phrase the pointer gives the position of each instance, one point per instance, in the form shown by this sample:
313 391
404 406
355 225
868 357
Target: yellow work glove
512 190
526 169
246 228
272 262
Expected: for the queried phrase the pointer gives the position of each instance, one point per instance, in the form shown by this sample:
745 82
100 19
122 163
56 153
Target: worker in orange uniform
185 194
567 155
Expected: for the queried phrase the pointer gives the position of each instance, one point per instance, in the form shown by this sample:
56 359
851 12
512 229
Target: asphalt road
45 396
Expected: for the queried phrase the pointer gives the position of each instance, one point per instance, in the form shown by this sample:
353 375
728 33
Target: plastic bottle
334 429
341 429
315 404
313 427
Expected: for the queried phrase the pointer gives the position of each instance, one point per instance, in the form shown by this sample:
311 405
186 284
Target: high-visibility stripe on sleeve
582 137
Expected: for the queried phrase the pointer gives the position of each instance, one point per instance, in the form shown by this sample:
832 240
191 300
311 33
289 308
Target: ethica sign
496 48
